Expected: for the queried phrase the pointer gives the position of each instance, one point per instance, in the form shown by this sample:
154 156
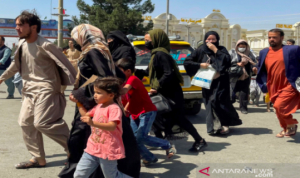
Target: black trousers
177 117
243 87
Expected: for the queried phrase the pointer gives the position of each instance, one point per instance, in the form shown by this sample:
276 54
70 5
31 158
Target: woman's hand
152 91
212 47
72 98
240 64
87 120
204 65
127 113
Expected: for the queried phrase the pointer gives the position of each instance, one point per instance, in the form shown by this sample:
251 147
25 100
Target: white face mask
242 50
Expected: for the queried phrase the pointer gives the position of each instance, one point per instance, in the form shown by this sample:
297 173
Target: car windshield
178 52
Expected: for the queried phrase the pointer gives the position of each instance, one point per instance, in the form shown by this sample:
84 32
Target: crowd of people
114 113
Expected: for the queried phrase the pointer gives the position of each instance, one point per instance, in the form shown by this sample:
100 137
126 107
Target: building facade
193 30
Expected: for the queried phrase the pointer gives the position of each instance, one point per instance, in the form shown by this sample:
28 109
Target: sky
251 15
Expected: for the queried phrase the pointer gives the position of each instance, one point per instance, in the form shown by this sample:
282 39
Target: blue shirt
6 56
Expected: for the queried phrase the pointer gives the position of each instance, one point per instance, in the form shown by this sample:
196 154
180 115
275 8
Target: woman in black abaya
96 60
165 79
220 113
119 46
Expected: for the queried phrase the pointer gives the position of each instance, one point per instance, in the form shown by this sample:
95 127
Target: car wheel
192 107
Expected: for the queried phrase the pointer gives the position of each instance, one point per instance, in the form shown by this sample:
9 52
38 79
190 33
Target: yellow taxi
179 51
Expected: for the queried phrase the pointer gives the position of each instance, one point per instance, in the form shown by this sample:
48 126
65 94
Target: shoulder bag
236 71
162 104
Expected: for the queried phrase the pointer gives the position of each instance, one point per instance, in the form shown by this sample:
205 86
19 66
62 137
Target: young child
105 144
267 101
143 113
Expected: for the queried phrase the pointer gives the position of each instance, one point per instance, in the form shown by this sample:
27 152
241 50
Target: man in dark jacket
279 74
5 61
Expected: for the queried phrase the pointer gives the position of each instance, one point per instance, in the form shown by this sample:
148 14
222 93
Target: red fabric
286 103
285 97
276 73
138 98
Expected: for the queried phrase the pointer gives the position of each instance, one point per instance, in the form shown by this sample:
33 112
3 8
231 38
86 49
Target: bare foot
280 134
225 130
41 161
171 152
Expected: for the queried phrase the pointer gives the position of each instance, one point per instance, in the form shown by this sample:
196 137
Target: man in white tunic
44 68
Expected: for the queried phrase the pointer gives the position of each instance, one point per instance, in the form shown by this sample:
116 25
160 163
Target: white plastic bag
204 77
254 89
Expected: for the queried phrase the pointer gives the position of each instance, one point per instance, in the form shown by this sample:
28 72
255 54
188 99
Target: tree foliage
109 15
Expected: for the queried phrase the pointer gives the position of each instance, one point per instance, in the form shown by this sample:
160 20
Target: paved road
253 142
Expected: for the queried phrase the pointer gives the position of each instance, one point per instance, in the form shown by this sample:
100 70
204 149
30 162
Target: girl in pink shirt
105 144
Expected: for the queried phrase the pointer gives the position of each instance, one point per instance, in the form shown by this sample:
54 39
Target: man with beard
5 61
73 54
279 74
43 68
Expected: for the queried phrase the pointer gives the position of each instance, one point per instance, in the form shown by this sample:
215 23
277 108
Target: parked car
179 51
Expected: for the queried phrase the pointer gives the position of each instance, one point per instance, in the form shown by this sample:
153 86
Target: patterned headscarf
90 37
245 59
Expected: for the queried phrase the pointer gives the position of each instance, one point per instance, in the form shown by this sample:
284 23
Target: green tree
109 15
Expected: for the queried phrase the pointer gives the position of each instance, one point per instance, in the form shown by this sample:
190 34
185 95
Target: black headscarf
204 46
120 47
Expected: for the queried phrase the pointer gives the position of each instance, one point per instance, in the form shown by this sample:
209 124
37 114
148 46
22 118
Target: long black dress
219 109
171 89
95 64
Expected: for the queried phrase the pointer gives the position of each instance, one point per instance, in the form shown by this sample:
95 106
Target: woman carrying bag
95 61
165 79
242 58
220 113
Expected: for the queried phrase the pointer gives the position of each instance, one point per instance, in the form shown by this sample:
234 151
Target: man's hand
152 91
87 120
255 70
212 47
72 98
204 65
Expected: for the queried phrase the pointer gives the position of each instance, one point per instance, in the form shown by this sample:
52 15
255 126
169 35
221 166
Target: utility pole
51 9
188 32
60 23
167 18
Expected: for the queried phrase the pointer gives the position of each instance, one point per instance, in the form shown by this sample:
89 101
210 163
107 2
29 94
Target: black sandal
148 163
29 164
198 146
